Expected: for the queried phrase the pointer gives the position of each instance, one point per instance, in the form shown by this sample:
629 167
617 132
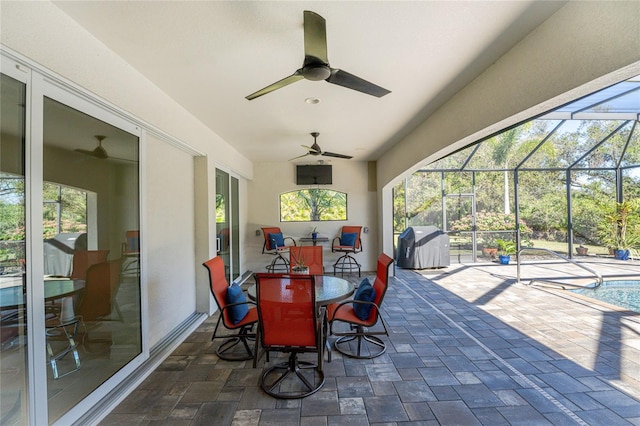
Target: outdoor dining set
298 312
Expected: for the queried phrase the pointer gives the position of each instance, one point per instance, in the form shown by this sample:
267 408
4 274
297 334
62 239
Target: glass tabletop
53 289
329 289
315 240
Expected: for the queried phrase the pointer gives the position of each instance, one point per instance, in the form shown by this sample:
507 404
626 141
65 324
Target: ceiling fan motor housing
315 149
316 72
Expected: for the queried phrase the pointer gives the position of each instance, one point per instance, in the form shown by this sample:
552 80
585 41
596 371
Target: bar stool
348 243
275 244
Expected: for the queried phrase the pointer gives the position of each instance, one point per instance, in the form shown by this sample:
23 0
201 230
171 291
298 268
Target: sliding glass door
13 310
70 241
90 242
227 228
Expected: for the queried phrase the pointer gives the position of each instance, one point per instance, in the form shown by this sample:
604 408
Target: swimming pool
623 293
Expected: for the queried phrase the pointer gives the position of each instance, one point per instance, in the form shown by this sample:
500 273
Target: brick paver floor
467 345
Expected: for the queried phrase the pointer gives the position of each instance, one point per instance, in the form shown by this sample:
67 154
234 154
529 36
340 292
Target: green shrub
489 221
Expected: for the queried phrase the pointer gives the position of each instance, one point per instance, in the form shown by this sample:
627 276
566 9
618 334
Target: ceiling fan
315 150
99 152
316 64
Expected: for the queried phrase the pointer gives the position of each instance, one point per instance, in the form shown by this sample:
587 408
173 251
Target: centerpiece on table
299 266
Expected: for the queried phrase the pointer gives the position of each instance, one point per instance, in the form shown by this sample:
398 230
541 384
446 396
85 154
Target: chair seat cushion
338 312
365 293
348 239
278 239
235 295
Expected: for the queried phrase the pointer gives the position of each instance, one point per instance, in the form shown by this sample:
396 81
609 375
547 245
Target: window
313 205
64 210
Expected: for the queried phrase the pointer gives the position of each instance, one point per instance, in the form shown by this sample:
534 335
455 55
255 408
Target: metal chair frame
58 327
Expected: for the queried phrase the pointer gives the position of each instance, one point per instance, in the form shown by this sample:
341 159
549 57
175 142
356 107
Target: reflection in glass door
227 228
13 313
235 228
91 246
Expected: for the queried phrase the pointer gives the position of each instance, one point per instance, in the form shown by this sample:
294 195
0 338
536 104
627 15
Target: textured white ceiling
209 55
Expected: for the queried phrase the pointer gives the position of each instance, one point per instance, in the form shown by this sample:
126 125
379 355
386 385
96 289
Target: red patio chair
290 323
311 256
359 331
219 286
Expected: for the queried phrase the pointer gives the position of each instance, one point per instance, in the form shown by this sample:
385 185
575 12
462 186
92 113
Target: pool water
625 294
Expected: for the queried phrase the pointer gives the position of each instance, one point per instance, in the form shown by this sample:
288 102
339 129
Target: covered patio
467 345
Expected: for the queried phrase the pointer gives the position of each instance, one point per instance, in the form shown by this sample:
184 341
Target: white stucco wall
272 179
170 237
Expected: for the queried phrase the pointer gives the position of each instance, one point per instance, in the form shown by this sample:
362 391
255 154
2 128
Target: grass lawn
561 247
558 247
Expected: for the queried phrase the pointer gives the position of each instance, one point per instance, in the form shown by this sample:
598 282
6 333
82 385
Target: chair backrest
132 243
381 281
351 229
267 246
101 286
84 259
219 286
287 311
312 256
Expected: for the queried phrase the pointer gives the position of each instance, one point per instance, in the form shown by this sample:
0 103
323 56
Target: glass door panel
227 223
91 240
235 229
223 220
13 314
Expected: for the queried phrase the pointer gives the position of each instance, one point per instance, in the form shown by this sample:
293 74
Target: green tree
12 209
313 205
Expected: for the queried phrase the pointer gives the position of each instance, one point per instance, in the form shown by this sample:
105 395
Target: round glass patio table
12 295
329 289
